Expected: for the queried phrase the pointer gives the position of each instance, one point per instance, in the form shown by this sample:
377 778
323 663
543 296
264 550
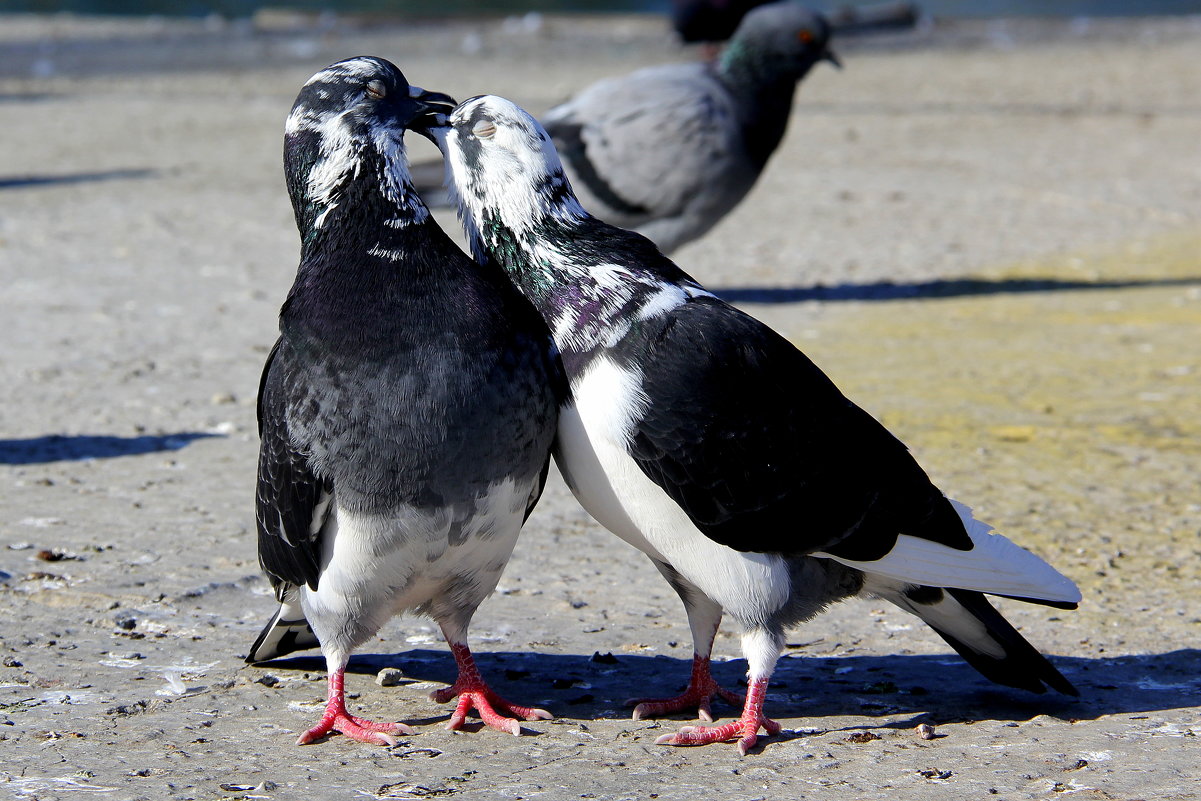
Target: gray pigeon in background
711 443
670 150
406 412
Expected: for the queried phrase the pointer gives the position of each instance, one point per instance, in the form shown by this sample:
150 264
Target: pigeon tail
994 564
978 633
286 632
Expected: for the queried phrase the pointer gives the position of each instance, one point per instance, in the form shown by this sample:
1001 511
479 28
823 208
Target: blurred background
246 8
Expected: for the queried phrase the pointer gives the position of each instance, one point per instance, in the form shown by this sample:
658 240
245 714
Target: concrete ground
987 234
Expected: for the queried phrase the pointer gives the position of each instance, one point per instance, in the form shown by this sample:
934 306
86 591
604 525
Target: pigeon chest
428 427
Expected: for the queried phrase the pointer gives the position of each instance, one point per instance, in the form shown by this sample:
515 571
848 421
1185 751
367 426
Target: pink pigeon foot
336 718
474 693
701 688
745 729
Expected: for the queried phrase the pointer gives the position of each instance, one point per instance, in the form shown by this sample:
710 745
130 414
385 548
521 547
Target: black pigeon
709 20
670 150
713 21
406 411
700 436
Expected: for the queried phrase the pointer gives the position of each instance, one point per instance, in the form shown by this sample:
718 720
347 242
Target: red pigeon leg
336 718
745 729
701 688
474 693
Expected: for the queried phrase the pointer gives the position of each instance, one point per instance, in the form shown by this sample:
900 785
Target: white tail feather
946 615
994 565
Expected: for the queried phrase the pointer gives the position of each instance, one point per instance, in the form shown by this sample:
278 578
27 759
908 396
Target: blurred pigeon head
786 35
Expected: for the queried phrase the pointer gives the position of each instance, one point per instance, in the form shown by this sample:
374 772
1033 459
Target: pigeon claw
745 730
474 693
365 731
485 702
701 689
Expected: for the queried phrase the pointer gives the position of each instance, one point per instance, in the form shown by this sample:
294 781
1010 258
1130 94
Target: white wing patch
994 565
320 513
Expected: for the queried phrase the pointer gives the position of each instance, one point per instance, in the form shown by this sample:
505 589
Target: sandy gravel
988 236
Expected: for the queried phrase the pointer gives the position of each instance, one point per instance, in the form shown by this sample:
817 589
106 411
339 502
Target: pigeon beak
430 111
832 58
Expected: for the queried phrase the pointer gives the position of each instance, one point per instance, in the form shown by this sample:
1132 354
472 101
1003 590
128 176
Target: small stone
126 620
863 737
267 680
390 677
13 662
925 732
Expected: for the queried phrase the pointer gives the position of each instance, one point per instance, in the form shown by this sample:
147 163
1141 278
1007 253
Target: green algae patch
1173 257
1069 416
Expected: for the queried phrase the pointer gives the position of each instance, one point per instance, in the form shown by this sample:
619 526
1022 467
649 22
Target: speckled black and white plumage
703 438
406 411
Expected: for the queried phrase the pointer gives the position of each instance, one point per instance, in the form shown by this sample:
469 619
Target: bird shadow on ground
958 108
26 97
946 288
934 688
25 181
66 448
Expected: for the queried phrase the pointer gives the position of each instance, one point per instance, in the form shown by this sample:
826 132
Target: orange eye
805 36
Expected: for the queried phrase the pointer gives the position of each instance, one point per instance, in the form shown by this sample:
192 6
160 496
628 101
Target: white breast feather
614 490
374 566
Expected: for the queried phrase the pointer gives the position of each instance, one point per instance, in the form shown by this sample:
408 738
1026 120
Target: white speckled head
348 114
503 165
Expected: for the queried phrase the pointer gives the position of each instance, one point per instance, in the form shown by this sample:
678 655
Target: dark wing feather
764 453
291 502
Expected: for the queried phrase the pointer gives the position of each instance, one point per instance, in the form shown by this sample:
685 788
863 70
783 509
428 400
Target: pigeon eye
376 90
484 129
806 36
